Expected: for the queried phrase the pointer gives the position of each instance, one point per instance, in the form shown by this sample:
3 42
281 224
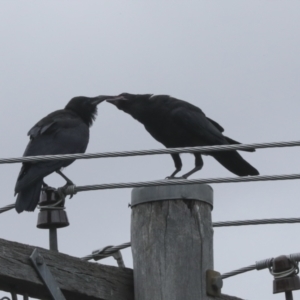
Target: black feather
64 131
177 123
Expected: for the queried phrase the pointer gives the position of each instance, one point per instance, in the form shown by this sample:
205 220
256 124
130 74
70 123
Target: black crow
64 131
177 123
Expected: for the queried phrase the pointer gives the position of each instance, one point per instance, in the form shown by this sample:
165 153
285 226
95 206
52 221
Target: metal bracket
214 283
99 254
45 274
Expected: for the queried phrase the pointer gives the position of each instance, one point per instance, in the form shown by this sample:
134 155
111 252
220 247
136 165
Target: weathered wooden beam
172 242
78 280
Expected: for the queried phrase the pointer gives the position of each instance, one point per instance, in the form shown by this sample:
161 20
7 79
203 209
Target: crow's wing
60 136
195 122
217 125
45 124
61 133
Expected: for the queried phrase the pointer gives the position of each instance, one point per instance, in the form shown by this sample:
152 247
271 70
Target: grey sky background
237 60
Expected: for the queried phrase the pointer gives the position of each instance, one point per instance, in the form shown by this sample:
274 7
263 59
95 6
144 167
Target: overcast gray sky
237 60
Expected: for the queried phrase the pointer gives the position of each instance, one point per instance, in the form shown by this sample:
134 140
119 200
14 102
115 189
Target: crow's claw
173 177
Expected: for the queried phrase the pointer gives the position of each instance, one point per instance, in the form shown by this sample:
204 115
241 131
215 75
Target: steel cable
110 250
259 265
257 222
205 149
215 224
180 182
7 208
264 264
239 271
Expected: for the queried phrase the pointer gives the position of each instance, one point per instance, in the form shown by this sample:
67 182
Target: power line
7 208
204 150
75 189
72 189
239 271
257 222
110 250
215 224
259 265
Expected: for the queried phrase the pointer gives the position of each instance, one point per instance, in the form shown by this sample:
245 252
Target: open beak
115 100
97 100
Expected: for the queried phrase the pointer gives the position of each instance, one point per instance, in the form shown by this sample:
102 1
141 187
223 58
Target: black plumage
177 123
64 131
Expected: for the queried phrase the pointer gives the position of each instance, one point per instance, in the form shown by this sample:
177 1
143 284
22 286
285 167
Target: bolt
217 283
39 260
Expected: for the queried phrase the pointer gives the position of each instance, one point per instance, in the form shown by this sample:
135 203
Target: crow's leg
178 165
198 165
69 182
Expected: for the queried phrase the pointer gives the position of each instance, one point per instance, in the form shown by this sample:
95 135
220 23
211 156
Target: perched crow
177 123
64 131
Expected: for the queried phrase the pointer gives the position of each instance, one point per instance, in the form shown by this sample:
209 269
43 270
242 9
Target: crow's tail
233 162
28 198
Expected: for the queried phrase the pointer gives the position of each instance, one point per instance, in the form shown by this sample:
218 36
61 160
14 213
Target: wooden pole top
198 192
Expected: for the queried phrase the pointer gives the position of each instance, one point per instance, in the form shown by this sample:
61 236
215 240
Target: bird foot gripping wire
175 177
68 189
61 192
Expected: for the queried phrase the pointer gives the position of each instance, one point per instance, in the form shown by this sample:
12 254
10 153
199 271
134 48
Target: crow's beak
99 99
115 100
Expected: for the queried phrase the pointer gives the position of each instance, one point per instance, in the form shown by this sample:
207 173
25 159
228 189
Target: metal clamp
46 276
99 254
214 283
197 192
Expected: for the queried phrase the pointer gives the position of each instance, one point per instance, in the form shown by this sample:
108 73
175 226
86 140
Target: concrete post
172 241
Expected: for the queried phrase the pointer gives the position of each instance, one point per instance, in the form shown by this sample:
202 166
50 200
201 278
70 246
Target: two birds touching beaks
172 122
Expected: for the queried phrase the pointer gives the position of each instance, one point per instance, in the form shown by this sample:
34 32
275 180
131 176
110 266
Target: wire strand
215 224
106 251
239 271
7 208
183 181
257 222
259 265
205 149
110 250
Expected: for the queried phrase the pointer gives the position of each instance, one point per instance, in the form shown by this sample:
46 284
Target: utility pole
172 242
